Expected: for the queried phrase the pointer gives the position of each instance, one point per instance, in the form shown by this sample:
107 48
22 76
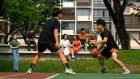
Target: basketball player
111 48
49 40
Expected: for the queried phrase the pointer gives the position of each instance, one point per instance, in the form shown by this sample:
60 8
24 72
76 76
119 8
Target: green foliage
136 8
22 14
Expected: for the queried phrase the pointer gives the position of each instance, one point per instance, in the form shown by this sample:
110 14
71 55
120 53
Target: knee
39 54
100 56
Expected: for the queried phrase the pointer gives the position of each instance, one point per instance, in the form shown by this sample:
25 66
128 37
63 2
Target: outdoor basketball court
67 76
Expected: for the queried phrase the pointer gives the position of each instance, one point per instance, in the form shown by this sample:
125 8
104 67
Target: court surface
67 76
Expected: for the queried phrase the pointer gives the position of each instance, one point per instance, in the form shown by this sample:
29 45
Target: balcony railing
84 3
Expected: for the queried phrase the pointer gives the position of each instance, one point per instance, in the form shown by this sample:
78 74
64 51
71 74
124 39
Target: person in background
83 37
76 45
92 38
14 45
65 44
30 39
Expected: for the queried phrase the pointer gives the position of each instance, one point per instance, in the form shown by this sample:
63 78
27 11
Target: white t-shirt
65 46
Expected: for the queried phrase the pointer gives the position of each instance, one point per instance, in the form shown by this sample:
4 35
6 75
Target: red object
75 50
76 46
94 53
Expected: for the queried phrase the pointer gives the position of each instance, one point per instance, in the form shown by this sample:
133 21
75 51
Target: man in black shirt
111 48
30 39
49 40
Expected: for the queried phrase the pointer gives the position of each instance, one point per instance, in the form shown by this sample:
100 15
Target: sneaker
126 71
29 71
104 70
15 71
70 71
73 59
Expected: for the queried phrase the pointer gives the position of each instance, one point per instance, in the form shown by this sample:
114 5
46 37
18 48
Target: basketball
94 53
75 50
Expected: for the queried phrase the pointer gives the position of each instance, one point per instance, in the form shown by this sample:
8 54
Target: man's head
100 24
83 30
57 13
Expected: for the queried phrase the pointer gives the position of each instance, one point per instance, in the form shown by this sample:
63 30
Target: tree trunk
24 31
6 39
116 13
122 33
24 37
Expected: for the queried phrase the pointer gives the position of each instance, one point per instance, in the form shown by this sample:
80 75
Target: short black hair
64 36
82 29
101 21
56 11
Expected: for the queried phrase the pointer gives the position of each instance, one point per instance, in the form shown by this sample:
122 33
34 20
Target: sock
32 66
66 66
72 55
104 67
124 68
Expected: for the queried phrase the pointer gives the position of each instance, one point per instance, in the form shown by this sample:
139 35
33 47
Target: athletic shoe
70 71
126 71
72 58
29 71
104 70
15 71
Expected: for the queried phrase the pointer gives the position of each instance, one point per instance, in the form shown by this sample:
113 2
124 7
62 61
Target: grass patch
129 57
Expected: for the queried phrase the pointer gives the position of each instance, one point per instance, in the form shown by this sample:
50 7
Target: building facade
84 13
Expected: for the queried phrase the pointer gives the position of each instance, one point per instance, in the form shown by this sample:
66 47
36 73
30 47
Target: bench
5 48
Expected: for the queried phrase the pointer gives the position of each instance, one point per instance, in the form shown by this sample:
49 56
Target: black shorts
106 53
43 46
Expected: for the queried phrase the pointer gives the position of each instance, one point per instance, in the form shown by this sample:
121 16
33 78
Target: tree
116 12
21 14
136 9
2 8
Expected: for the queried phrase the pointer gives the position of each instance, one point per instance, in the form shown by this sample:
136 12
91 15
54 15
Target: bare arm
101 43
100 46
56 38
13 47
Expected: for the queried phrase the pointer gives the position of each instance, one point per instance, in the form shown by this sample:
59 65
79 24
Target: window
83 12
98 2
86 25
106 14
97 13
126 20
68 26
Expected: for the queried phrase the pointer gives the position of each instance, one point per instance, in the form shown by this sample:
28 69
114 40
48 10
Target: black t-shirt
110 42
47 34
30 35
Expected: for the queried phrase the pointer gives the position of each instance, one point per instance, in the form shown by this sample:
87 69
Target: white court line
52 76
11 75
